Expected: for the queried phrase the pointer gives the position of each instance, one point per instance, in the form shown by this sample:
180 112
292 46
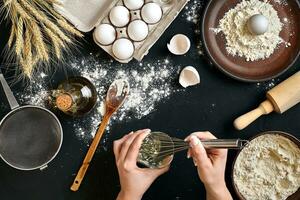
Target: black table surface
183 112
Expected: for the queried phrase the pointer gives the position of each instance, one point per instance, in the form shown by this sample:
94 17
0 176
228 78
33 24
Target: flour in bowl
268 168
239 40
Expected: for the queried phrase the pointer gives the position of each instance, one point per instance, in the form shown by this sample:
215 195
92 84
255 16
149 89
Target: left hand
134 180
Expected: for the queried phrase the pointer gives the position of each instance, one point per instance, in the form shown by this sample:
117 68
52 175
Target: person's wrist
217 191
211 186
123 195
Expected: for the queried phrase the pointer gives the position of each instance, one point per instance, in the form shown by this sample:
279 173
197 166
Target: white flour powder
153 83
192 11
192 14
268 168
239 41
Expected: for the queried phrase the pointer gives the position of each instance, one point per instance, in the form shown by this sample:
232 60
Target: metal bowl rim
61 138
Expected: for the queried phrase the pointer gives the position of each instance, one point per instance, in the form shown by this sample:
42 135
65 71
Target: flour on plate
239 40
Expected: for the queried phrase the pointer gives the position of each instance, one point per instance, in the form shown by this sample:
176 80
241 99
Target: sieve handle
8 93
224 143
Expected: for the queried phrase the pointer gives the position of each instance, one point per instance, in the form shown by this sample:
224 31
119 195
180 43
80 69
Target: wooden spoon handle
243 121
88 158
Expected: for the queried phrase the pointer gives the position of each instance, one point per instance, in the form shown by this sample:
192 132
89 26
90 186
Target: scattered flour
268 168
240 41
153 83
192 11
268 84
281 2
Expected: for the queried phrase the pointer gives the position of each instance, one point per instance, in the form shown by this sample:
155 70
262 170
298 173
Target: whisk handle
223 143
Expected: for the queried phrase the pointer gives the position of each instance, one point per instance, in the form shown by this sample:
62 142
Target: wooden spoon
116 96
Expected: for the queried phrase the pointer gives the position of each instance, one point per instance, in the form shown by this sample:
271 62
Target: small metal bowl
296 195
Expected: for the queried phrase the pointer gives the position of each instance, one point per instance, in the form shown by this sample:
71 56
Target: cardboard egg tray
85 15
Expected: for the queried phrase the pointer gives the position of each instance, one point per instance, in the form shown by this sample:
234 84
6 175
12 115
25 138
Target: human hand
210 164
134 180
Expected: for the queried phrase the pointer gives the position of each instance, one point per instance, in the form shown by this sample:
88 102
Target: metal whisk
158 148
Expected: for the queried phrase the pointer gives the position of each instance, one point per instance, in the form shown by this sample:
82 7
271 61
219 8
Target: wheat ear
12 35
38 42
19 36
65 25
27 54
43 18
56 41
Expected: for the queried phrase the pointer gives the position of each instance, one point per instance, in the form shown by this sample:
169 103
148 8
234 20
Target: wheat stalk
35 26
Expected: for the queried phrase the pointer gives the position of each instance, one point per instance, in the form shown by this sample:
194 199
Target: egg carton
89 14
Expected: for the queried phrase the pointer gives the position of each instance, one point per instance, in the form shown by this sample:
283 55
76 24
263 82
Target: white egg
151 13
123 48
119 16
137 30
258 24
134 4
105 34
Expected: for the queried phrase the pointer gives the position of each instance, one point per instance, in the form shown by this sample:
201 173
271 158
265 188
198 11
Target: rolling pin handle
243 121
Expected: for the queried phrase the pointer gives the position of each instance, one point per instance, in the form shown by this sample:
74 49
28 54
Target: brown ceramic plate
238 67
296 195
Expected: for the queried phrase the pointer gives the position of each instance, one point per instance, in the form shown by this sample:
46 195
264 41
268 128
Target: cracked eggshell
137 30
189 76
105 34
123 48
151 13
119 16
133 4
179 44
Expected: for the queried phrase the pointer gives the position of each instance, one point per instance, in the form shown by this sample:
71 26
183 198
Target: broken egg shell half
105 34
151 13
123 48
189 76
133 4
119 16
179 44
137 30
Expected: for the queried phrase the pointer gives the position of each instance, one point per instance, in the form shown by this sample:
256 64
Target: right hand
210 166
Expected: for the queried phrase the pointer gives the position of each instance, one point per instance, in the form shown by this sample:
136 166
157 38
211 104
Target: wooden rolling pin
279 99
